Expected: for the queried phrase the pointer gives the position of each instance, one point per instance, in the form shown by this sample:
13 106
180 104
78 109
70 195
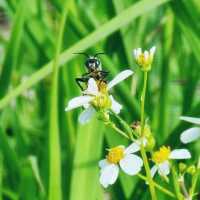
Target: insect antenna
95 55
82 53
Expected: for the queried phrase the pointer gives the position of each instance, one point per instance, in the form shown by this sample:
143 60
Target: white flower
190 134
162 157
144 59
96 96
121 157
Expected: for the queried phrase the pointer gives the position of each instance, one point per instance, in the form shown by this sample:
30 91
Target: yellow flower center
102 101
161 155
115 155
144 62
141 60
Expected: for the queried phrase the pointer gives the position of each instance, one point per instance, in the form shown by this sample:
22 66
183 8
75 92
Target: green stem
142 150
195 179
183 188
148 172
125 126
176 184
162 189
143 102
114 127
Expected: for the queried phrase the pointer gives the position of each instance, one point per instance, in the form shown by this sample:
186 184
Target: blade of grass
108 28
85 173
55 191
11 161
28 185
8 193
12 51
1 176
165 76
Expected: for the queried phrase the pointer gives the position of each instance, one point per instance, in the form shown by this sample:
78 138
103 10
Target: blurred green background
28 31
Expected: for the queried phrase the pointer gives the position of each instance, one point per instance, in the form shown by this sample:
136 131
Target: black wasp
93 65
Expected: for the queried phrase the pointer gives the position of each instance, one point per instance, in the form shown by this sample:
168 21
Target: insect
93 65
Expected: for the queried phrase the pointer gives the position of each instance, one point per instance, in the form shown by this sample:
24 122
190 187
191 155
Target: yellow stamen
102 86
115 154
161 155
102 101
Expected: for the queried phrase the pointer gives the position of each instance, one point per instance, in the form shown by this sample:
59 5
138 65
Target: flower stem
113 126
176 185
194 180
183 188
169 193
125 126
143 102
142 150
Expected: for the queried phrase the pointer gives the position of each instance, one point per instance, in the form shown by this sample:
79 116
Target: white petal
116 107
109 175
120 77
77 102
193 120
163 168
190 135
154 169
139 52
86 115
131 164
146 55
134 147
180 154
92 88
103 163
152 50
135 53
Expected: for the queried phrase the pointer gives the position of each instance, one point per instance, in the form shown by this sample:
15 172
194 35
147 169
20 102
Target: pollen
161 155
141 60
102 86
115 154
102 101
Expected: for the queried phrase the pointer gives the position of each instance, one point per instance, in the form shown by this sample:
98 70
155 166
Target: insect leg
81 80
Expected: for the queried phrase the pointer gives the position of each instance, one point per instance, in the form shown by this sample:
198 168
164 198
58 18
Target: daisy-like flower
162 158
190 134
96 97
144 59
120 157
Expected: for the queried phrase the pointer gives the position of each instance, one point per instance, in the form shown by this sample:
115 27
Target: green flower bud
182 167
150 143
191 170
103 116
144 59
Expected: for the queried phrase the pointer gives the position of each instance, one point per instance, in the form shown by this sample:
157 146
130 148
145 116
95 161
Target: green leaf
85 175
13 47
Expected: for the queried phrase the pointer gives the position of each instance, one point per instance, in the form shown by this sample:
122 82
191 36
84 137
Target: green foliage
40 37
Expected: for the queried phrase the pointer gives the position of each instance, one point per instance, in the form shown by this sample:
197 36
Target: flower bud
144 59
191 170
150 143
103 116
147 135
182 167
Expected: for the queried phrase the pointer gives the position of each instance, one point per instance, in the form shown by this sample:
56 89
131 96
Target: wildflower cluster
96 98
